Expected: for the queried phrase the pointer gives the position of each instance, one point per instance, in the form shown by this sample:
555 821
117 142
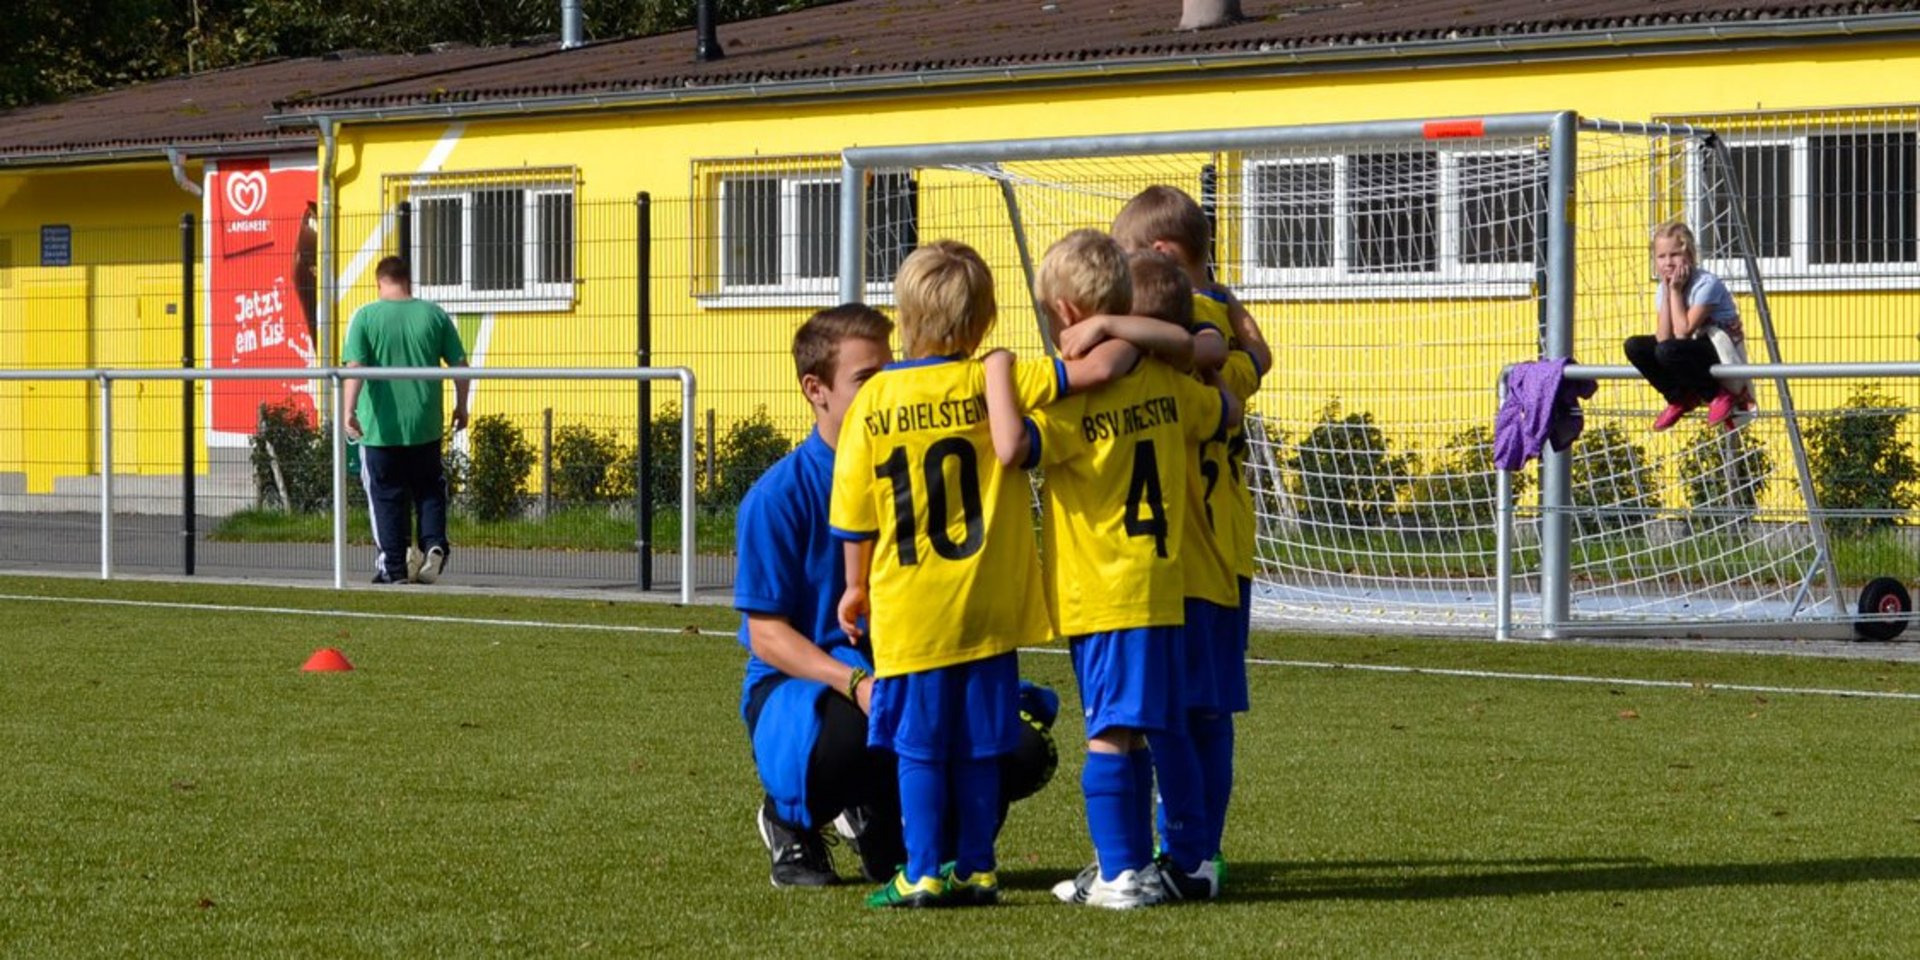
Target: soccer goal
1397 269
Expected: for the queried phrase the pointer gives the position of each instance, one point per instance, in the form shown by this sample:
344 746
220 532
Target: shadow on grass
1454 879
1272 881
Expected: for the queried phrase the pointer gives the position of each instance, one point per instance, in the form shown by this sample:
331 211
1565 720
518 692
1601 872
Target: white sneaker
1132 888
414 561
431 565
1075 890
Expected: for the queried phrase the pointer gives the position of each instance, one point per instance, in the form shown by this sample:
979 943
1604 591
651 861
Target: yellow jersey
954 577
1115 504
1224 466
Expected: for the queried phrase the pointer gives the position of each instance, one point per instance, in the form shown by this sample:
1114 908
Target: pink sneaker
1725 405
1672 414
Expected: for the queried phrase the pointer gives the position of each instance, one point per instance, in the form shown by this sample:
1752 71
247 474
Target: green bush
1614 484
494 481
749 447
1859 461
1723 471
289 439
1456 492
586 464
664 487
1343 473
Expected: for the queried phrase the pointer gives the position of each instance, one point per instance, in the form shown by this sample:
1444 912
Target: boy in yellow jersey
939 550
1116 461
1166 220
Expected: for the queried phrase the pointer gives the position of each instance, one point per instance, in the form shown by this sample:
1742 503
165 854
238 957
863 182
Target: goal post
1397 267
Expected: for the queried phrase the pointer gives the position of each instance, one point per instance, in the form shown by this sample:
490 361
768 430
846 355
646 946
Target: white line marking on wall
1703 686
376 243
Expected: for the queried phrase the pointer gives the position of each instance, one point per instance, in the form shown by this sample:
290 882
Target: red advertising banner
262 240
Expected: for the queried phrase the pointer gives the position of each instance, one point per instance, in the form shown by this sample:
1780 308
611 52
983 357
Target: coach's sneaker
897 892
800 857
431 565
1674 411
1075 890
881 850
414 559
1131 889
1202 884
977 890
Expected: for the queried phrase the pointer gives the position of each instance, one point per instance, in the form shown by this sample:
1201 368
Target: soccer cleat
881 852
1075 890
1219 862
800 857
1202 884
1672 414
414 560
897 892
431 564
978 890
1129 890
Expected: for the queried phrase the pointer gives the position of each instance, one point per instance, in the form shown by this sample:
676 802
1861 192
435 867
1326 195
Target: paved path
148 545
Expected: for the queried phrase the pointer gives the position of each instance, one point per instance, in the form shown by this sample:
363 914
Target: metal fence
277 514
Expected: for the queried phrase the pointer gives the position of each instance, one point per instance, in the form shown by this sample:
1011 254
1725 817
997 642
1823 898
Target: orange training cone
327 659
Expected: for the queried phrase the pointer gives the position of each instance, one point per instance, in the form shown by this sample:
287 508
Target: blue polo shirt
789 563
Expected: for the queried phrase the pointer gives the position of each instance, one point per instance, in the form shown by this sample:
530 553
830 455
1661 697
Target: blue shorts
968 711
1131 678
1204 642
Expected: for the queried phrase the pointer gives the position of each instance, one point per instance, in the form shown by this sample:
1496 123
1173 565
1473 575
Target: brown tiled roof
876 38
215 108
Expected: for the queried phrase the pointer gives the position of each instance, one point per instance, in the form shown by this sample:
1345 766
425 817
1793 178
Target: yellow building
523 173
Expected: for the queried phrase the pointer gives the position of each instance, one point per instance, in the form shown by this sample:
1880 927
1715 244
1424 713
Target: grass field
579 784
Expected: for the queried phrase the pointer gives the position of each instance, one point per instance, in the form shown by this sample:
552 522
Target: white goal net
1396 270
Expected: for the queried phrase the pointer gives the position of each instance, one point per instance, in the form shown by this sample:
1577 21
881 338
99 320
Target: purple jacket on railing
1542 406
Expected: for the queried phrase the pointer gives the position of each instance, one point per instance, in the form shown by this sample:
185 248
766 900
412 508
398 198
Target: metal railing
1807 614
105 378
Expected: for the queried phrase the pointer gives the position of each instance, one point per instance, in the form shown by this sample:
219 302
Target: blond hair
1087 269
1681 236
1161 289
1163 214
944 295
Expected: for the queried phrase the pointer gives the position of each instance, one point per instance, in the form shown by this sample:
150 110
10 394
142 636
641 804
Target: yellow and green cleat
978 890
924 892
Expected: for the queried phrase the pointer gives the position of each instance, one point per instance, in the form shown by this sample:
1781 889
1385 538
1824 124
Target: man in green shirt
398 423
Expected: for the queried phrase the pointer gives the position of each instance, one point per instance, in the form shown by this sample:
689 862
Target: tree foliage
58 50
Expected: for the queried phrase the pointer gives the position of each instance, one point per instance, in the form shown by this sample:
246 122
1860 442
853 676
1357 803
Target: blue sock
923 802
1107 783
1185 834
1141 761
976 804
1213 742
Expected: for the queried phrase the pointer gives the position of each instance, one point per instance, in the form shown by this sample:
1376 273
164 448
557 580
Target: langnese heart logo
246 192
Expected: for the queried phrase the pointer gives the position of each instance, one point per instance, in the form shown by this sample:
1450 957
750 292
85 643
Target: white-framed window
1400 223
495 244
1835 210
778 236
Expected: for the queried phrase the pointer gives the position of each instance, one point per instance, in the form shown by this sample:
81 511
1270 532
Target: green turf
177 787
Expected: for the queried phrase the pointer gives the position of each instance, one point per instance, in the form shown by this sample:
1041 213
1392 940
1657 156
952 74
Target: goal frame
1559 130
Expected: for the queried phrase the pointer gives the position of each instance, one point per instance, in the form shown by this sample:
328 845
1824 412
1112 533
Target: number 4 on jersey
1143 492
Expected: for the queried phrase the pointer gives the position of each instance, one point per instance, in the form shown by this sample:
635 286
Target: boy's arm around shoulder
1165 342
1006 419
1246 330
1108 362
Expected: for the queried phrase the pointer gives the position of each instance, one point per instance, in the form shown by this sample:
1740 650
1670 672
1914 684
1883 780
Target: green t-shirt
402 333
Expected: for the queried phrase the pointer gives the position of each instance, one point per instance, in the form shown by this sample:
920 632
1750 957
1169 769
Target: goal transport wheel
1883 596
